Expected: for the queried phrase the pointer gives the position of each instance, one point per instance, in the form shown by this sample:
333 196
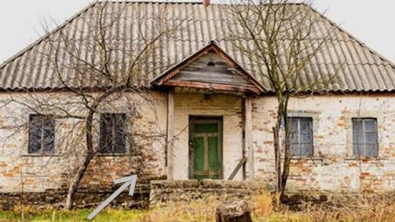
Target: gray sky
21 21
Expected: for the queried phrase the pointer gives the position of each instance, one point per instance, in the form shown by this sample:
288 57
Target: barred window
301 136
41 134
112 133
365 137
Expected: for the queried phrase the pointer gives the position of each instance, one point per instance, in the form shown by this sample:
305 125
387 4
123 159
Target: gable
212 69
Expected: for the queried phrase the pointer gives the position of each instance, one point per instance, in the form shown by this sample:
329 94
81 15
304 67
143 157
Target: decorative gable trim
236 78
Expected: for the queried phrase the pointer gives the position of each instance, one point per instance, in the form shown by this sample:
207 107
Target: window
301 136
41 134
112 133
365 137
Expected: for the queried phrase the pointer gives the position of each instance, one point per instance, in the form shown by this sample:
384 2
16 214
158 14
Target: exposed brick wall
23 172
333 168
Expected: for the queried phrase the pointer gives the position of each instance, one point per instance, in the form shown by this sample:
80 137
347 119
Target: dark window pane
370 125
295 149
358 137
357 125
305 136
370 138
293 124
372 150
34 134
48 138
120 146
306 149
112 133
309 152
356 149
294 138
34 140
105 133
304 124
41 134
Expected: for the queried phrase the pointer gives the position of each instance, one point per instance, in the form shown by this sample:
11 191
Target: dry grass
200 210
372 208
264 206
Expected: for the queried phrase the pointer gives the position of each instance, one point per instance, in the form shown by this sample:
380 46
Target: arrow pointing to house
127 181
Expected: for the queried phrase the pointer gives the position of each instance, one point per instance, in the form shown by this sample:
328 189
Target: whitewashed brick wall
333 168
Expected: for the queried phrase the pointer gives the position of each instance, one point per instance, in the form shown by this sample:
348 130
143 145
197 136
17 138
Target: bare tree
281 39
101 57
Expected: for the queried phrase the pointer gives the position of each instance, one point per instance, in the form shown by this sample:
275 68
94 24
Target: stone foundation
83 198
163 191
160 192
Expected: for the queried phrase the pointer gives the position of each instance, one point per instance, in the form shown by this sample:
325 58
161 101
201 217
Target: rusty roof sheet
193 26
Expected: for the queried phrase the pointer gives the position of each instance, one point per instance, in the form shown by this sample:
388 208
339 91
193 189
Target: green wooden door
205 149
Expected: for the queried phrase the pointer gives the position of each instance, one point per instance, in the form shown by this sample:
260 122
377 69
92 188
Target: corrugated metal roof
191 26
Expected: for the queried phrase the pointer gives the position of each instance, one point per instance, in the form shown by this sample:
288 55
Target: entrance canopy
211 69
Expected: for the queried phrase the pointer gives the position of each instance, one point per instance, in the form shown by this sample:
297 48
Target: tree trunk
277 158
76 182
81 171
277 149
282 174
287 148
287 161
285 174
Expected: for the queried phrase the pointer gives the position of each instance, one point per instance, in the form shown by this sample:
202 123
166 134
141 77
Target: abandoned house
193 104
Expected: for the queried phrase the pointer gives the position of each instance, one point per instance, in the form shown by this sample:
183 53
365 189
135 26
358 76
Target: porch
209 130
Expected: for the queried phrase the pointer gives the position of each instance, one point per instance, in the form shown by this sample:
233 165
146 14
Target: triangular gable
209 68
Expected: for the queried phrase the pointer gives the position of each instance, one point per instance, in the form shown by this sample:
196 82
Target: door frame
205 119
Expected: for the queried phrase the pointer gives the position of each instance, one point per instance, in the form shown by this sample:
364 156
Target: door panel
205 148
198 160
213 153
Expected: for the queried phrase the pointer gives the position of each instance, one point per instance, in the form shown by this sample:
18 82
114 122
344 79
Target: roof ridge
218 2
156 1
352 37
46 35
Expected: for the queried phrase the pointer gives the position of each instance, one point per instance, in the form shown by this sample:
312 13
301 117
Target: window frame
103 129
45 121
356 151
310 150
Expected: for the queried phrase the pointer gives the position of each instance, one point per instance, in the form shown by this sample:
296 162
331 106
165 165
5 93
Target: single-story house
198 107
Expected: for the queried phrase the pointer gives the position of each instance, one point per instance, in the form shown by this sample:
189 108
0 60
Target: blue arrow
127 181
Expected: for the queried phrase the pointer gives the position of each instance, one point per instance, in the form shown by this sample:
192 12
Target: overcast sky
372 22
